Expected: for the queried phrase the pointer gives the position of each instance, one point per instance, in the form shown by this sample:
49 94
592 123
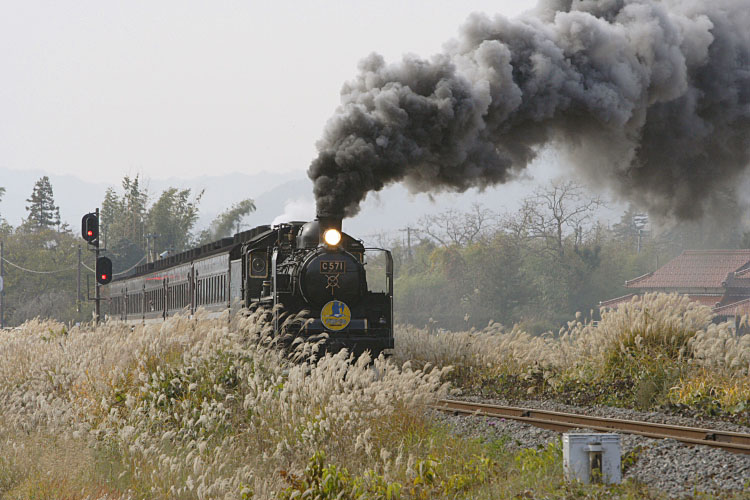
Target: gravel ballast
665 465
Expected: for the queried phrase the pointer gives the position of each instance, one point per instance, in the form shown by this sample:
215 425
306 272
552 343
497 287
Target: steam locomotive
286 269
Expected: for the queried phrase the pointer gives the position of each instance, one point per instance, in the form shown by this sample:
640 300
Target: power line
21 268
131 267
121 272
37 272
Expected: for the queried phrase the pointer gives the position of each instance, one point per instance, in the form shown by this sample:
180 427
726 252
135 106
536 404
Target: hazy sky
101 89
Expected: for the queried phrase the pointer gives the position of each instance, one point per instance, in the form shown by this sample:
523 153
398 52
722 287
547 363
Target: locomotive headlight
332 237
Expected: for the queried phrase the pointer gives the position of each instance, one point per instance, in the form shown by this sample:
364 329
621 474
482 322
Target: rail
558 421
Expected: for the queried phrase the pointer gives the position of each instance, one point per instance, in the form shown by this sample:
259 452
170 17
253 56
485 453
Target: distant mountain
76 196
277 197
73 195
387 211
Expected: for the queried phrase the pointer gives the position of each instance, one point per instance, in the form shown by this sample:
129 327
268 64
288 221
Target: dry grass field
658 350
206 408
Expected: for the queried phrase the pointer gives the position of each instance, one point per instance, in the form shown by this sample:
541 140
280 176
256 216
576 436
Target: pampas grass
655 336
192 408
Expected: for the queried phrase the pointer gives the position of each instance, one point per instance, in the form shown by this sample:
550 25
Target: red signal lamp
90 228
103 270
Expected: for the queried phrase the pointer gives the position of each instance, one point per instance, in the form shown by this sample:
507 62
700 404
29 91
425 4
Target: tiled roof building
716 278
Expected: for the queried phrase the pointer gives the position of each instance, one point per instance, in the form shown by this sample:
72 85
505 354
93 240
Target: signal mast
90 233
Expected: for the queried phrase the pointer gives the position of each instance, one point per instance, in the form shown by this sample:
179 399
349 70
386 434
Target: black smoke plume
649 98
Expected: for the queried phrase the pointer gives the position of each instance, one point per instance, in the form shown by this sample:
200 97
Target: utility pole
640 221
640 232
78 288
408 231
2 285
150 246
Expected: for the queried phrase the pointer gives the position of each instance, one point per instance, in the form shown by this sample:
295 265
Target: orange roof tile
694 269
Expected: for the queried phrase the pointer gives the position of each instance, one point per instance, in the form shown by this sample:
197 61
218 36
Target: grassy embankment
661 351
204 409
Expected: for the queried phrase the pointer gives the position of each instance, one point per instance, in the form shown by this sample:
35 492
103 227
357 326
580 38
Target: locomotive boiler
309 269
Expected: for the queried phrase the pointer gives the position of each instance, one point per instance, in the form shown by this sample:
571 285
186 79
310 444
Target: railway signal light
90 228
103 270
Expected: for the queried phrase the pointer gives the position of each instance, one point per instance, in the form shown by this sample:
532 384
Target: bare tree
455 228
556 212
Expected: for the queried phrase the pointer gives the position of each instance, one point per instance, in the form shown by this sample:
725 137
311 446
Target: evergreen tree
43 213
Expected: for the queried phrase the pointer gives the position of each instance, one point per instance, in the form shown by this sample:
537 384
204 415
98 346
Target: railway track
558 421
